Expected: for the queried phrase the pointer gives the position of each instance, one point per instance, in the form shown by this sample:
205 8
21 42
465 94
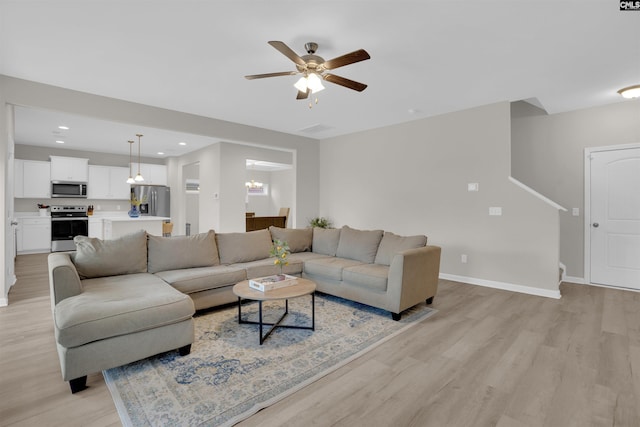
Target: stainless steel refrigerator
156 199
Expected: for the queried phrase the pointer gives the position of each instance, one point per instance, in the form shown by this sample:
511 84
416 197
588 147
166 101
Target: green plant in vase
320 222
135 205
280 250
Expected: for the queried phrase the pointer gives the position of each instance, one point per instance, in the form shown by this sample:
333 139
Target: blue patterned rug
228 376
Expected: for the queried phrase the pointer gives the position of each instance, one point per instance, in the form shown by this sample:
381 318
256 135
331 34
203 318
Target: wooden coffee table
301 288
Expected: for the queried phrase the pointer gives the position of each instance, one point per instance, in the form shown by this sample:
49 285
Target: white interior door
615 218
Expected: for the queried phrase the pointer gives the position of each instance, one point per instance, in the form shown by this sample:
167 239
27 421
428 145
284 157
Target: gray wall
31 94
412 179
548 155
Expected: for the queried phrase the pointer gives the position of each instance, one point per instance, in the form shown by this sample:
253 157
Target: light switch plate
495 211
575 211
473 186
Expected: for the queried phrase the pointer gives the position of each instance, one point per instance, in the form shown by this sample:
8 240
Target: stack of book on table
272 282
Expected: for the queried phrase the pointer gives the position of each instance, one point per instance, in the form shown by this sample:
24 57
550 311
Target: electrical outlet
575 211
117 207
463 258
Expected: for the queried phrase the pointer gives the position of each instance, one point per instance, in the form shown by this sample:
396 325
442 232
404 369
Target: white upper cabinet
32 179
69 169
108 182
152 174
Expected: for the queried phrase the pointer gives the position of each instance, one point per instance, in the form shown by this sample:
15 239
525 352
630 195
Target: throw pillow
174 253
299 240
325 241
392 244
361 245
98 258
243 247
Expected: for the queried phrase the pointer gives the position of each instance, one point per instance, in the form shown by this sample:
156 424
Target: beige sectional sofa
117 301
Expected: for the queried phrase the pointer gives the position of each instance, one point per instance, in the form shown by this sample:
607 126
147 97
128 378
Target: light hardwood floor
487 358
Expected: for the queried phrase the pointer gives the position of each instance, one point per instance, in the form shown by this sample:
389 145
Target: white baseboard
571 279
504 286
4 302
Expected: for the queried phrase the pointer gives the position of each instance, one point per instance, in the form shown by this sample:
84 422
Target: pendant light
130 180
139 177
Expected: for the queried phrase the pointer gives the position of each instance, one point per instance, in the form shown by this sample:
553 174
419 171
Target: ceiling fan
312 67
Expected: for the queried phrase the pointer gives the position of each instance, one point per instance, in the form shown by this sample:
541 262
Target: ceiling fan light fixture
314 83
301 84
630 92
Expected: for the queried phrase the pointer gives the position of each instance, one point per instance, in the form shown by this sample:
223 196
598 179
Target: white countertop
30 215
118 218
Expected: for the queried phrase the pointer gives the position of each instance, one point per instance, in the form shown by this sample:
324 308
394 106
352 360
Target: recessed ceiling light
182 143
60 142
160 153
63 127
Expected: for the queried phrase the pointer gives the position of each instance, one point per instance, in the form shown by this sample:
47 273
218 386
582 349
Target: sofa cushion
392 244
372 276
361 245
198 279
325 240
243 247
266 267
125 255
329 267
173 253
111 306
299 239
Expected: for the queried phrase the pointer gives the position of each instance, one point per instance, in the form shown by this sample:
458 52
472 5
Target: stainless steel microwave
69 189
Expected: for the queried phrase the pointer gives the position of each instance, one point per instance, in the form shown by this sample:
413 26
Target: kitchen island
114 226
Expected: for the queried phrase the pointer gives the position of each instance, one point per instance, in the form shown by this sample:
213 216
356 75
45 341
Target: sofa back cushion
175 253
361 245
325 241
299 239
98 258
392 244
243 247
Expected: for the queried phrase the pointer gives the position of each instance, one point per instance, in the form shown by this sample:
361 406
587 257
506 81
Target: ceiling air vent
316 128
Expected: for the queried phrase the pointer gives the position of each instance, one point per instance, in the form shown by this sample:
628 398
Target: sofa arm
64 281
413 275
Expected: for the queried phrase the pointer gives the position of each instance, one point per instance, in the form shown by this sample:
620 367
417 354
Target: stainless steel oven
66 223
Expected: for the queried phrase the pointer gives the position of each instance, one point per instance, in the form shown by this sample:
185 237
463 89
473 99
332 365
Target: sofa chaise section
102 321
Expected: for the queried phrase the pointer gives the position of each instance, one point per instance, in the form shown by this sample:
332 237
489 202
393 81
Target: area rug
228 376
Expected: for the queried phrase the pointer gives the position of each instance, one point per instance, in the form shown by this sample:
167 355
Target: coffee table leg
239 310
260 321
313 311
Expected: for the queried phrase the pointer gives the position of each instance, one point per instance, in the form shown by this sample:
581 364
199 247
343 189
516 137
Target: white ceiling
427 58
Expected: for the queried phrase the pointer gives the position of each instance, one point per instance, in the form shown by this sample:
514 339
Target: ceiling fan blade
286 51
344 82
349 58
303 95
262 76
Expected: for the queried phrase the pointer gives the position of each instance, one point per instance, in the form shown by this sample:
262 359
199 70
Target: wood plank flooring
488 358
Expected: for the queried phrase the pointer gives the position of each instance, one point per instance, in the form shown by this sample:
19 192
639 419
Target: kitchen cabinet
152 174
31 179
108 182
33 235
95 227
69 169
115 227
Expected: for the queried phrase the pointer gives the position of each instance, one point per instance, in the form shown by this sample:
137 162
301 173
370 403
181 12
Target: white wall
412 179
548 155
283 185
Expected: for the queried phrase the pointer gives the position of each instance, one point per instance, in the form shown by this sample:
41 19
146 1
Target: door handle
596 225
14 222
